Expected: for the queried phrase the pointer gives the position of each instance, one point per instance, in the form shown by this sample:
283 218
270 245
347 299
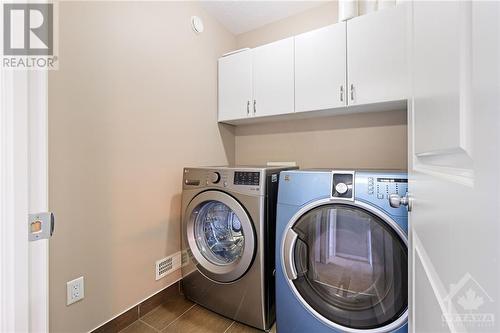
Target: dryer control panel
386 186
343 185
377 187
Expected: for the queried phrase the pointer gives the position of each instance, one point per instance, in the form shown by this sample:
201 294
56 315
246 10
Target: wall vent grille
184 258
167 265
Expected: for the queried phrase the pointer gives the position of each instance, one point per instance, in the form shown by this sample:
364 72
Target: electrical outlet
75 290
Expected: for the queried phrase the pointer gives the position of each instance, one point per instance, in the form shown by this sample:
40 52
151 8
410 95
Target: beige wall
311 19
134 101
373 140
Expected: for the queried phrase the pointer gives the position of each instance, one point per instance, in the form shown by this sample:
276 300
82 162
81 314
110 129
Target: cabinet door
320 69
377 56
235 86
273 78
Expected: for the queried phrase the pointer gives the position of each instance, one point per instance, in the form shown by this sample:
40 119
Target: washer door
220 235
348 265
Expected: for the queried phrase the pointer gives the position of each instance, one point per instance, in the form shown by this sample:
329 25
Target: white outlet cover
75 290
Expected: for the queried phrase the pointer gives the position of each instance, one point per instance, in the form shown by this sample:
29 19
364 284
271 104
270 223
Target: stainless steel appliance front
228 232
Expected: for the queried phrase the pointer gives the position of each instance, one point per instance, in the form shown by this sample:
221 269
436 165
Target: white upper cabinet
320 69
273 78
235 86
362 63
377 66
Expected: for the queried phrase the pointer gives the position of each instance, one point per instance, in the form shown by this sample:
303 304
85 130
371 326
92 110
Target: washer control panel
242 180
246 178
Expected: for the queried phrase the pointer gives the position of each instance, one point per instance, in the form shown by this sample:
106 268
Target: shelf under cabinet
375 107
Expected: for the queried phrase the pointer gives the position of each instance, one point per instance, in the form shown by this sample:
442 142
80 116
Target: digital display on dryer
246 178
392 180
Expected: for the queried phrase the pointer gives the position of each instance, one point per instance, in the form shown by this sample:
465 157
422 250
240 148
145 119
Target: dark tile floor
179 315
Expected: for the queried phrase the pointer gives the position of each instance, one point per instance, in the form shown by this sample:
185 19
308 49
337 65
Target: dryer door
347 264
220 235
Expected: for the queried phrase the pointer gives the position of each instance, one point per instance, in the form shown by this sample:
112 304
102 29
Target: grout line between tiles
142 321
132 323
229 327
151 311
182 314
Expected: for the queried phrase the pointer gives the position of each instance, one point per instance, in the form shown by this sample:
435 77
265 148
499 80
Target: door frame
24 273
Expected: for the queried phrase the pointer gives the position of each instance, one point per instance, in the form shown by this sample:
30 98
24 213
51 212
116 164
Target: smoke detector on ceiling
197 24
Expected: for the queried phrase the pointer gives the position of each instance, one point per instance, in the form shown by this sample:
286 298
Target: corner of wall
308 20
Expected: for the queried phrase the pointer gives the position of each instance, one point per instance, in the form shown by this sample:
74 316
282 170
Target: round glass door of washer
220 235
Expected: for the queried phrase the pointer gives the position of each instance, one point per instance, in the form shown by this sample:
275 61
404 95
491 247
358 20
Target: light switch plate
75 290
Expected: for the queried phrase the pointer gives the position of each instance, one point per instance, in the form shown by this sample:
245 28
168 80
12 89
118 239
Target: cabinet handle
352 92
248 108
254 106
342 93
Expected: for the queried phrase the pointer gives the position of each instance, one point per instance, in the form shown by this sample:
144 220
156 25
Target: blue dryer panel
310 191
299 187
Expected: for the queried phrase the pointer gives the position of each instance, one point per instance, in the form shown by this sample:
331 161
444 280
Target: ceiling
242 16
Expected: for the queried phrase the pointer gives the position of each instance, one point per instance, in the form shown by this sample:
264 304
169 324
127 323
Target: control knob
395 201
341 188
215 177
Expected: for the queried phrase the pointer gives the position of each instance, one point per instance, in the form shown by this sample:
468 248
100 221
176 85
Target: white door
320 68
377 68
454 165
24 267
235 86
273 86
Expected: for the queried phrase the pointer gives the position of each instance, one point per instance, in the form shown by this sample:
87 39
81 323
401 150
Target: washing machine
228 234
342 252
